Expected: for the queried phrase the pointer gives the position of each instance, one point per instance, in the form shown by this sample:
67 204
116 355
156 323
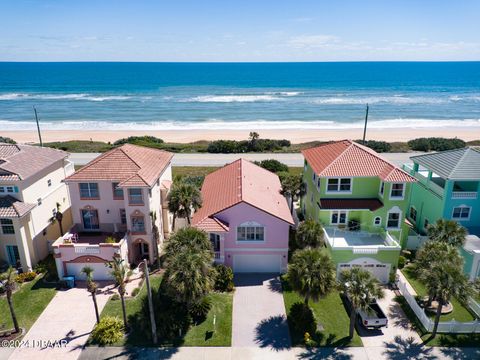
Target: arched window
377 221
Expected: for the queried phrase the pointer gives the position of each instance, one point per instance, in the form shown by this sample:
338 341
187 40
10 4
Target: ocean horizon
230 96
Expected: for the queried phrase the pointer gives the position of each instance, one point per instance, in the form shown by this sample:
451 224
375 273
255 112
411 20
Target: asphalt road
205 159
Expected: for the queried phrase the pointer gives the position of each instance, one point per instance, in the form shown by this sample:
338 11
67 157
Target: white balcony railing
464 195
79 249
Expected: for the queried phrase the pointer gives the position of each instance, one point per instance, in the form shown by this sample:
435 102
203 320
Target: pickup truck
371 318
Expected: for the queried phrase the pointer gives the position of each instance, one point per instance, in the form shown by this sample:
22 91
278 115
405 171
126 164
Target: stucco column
23 249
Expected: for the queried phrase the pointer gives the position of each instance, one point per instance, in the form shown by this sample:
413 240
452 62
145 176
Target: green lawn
199 335
330 312
29 302
205 170
459 313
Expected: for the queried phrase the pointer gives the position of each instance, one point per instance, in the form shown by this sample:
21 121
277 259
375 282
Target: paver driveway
69 317
259 317
399 327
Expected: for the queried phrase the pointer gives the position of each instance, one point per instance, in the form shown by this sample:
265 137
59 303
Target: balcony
365 241
464 195
430 181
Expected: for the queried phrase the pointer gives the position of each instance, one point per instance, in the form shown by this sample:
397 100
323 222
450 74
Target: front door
90 219
13 255
143 250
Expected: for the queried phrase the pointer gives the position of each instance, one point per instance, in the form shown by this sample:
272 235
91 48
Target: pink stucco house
246 217
113 198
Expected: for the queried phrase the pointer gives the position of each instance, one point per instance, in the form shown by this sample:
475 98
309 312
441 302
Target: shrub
436 144
378 146
223 278
135 291
40 268
401 262
272 165
7 140
139 140
115 297
108 331
199 311
110 240
223 146
301 319
26 276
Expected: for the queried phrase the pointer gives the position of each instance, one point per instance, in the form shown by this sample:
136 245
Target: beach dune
295 136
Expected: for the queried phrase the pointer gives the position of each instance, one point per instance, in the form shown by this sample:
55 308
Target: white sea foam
231 98
81 96
396 99
218 124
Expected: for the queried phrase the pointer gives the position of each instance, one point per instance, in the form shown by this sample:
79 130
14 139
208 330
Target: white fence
443 326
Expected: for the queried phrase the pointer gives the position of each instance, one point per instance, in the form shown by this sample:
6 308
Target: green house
360 199
448 187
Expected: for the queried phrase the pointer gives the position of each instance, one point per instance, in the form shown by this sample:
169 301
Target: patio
339 238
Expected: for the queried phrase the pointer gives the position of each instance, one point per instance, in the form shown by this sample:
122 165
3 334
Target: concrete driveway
259 318
399 328
64 326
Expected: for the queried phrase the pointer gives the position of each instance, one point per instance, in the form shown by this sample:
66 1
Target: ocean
170 96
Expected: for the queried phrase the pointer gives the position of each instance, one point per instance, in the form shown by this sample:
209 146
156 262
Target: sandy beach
295 136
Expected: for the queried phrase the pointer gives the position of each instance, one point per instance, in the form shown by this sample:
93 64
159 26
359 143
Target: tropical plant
110 240
57 218
272 165
119 272
182 199
26 276
293 187
301 318
189 258
311 273
92 288
440 268
108 331
310 234
8 282
361 288
199 310
447 231
155 236
223 278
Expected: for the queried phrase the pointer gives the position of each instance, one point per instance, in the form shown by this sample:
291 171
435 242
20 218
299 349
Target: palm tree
312 274
448 231
189 260
155 236
58 217
8 281
310 233
362 289
92 288
293 187
182 198
119 272
440 268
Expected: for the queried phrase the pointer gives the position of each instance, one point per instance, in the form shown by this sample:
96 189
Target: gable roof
459 164
19 162
347 158
242 181
13 208
130 165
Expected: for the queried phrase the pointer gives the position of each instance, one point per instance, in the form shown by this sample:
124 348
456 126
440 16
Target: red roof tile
128 164
242 181
12 208
351 204
349 159
212 225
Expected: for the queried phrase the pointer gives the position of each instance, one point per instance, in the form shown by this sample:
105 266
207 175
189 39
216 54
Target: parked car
371 318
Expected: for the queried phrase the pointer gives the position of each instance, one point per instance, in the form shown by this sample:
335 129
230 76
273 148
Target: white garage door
100 271
380 271
257 263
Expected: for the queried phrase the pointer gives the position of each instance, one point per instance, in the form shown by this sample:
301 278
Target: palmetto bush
108 331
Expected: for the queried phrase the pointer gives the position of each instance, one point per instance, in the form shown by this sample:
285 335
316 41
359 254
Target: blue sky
242 30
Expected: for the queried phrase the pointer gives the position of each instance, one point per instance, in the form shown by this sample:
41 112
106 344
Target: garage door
257 263
380 271
100 271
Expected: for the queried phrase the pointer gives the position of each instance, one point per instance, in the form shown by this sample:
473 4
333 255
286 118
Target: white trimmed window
7 226
377 221
339 185
250 233
393 220
382 188
135 196
397 190
138 224
461 213
413 213
338 217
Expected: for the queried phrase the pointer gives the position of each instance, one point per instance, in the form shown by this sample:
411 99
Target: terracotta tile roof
212 224
348 159
242 181
350 204
19 162
128 164
12 208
